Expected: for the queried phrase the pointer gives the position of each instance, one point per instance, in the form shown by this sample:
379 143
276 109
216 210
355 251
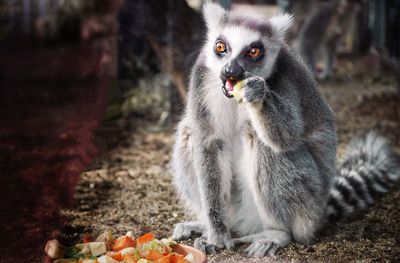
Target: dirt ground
129 187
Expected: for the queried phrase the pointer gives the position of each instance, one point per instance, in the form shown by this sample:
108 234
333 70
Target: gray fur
264 168
185 230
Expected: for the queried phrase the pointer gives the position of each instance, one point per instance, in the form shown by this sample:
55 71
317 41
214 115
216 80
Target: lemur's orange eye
220 47
254 52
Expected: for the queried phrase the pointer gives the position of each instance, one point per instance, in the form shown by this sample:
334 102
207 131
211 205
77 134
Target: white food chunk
106 259
129 234
128 250
98 248
189 257
54 249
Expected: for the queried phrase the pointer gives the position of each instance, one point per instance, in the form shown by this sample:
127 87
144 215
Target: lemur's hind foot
202 245
214 243
265 243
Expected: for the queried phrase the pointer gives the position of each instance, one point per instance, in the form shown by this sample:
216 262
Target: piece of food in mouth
234 87
124 249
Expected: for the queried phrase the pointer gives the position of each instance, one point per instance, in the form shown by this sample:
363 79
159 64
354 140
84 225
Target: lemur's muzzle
227 87
231 73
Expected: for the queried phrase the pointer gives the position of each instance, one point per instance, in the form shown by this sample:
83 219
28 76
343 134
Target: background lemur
265 169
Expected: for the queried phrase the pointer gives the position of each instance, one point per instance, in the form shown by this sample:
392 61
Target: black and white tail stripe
369 168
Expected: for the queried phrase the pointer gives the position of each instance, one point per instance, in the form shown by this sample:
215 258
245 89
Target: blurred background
90 93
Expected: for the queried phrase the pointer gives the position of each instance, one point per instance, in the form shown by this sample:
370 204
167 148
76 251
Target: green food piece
168 242
154 244
71 252
137 254
75 252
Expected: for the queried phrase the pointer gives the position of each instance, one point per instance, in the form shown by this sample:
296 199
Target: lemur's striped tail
369 168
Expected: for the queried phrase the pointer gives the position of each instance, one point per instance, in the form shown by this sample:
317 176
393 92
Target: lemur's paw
254 89
183 231
203 245
223 240
265 243
262 248
214 243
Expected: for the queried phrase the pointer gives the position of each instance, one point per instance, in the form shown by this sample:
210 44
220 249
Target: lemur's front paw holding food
254 89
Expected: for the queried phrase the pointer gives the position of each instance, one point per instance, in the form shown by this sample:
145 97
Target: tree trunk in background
313 31
393 28
171 28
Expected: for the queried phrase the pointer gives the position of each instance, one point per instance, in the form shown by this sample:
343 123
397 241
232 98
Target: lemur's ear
281 24
212 14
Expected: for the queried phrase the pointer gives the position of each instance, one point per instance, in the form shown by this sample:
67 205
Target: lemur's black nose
233 70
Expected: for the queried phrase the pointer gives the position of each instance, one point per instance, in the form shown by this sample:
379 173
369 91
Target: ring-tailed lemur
265 169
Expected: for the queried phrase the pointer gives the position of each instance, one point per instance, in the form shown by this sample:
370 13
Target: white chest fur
227 118
224 111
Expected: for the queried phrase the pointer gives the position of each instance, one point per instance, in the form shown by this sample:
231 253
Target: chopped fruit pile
106 249
234 88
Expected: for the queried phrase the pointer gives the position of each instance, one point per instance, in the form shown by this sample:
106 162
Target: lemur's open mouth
228 85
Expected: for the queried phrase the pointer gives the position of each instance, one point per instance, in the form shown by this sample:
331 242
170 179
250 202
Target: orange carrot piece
115 255
123 242
145 238
153 255
164 259
183 260
175 257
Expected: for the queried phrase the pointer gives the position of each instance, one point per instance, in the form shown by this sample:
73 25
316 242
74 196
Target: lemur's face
240 46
